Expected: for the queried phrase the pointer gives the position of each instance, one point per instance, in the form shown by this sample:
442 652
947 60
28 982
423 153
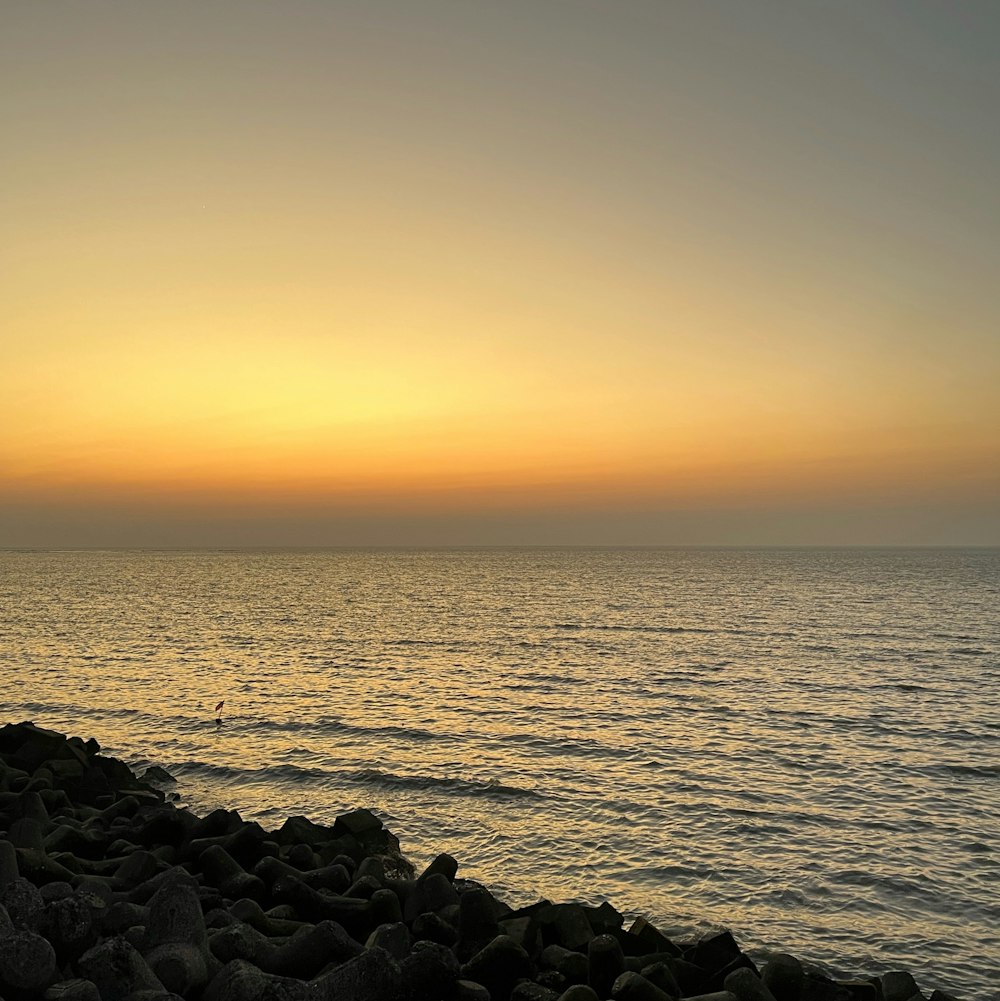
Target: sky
471 272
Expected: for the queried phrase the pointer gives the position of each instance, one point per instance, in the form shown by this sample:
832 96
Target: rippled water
802 745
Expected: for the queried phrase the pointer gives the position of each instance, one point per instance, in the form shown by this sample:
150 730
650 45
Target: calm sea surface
802 745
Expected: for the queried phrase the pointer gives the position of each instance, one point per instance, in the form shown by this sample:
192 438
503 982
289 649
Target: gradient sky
458 272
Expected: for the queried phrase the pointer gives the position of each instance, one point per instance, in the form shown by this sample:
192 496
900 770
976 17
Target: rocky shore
108 892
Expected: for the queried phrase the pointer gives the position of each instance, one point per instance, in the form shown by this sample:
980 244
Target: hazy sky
459 271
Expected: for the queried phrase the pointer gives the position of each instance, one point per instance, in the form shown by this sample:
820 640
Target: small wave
466 787
268 774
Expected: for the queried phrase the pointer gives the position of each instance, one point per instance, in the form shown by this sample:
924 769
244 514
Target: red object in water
220 705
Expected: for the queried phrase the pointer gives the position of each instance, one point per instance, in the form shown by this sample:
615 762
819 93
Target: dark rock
241 981
435 893
24 905
498 966
225 873
179 942
443 864
27 963
8 864
579 992
747 986
117 969
70 927
896 986
55 891
371 976
157 774
26 833
635 987
469 990
605 963
429 972
572 965
477 923
565 925
434 928
860 990
72 990
783 977
643 938
528 991
394 938
662 976
525 932
310 949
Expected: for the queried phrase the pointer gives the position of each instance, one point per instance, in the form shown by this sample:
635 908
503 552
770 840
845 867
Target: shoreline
109 891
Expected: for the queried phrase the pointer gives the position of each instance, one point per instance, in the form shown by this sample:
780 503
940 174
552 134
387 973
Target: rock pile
108 892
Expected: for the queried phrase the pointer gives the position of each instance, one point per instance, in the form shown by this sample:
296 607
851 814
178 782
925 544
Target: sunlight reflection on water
801 745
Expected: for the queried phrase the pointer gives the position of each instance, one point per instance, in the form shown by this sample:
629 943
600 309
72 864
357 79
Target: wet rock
27 964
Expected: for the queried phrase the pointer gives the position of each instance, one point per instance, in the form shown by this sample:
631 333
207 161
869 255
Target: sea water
801 745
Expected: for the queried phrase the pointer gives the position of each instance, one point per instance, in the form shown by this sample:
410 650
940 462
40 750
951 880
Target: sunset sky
387 272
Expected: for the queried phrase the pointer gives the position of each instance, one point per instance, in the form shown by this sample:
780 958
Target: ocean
801 745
